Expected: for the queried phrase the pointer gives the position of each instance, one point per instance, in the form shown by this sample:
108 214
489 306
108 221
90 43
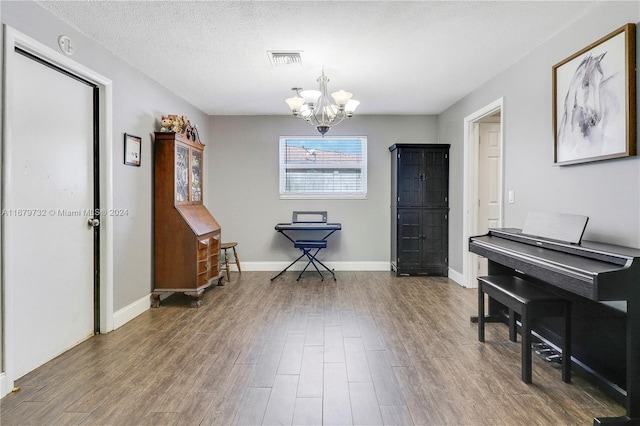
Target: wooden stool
226 246
531 302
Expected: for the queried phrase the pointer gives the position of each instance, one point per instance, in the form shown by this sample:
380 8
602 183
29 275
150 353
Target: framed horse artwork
594 100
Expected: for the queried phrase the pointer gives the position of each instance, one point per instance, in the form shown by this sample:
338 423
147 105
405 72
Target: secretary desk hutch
186 235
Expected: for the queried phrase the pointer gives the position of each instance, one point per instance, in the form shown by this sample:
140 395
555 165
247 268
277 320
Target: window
323 167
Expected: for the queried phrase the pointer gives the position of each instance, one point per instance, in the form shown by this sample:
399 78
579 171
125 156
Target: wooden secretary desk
186 235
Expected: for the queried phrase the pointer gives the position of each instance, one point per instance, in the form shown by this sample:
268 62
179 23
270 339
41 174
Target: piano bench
531 302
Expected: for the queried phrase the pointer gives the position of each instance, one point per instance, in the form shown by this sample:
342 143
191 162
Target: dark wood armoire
186 235
419 209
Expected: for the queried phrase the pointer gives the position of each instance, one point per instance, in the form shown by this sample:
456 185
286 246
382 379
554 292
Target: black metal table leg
285 269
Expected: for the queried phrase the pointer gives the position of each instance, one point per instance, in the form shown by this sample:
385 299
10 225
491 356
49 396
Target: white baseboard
456 276
338 266
131 311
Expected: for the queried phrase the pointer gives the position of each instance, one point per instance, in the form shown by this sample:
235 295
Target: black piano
603 283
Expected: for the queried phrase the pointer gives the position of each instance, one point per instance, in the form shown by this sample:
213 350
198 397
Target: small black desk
307 245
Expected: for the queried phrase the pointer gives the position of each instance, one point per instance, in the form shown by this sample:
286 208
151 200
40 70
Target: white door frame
13 39
470 184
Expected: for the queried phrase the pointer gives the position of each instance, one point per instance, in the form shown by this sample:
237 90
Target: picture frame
132 150
594 100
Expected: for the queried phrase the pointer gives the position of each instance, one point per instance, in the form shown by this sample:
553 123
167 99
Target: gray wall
608 192
138 103
242 160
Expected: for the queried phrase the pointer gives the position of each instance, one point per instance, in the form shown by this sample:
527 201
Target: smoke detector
287 59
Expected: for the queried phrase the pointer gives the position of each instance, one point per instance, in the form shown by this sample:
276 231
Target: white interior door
50 252
489 171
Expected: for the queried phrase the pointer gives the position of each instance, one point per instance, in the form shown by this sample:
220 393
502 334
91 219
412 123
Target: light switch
512 196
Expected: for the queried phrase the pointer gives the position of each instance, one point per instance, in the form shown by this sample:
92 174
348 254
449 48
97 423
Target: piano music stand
309 221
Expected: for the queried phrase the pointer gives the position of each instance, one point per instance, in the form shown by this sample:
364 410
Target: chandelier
317 109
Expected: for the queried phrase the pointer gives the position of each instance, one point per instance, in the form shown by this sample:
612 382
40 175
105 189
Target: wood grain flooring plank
117 406
85 402
282 401
421 409
385 382
254 345
315 330
265 371
218 371
394 415
310 384
364 404
162 418
308 412
227 400
253 406
333 344
393 340
356 360
194 375
291 358
280 325
112 407
336 405
370 334
47 413
331 318
349 322
298 321
192 406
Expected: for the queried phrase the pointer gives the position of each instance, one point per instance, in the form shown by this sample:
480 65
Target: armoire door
435 185
410 239
423 177
435 226
422 240
410 177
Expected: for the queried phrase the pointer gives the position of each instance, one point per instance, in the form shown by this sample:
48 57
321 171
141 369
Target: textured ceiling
396 57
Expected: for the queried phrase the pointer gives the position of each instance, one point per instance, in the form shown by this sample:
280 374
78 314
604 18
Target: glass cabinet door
196 175
182 173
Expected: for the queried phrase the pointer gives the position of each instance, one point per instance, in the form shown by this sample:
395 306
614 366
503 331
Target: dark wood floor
369 349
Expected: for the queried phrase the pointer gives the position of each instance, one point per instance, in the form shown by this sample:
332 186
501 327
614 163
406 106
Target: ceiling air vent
285 59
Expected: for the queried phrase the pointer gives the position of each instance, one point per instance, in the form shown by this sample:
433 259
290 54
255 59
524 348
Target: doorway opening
483 199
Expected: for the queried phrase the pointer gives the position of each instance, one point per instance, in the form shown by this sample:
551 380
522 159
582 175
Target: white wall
138 103
242 160
608 191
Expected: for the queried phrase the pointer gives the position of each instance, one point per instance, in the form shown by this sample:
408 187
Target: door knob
93 222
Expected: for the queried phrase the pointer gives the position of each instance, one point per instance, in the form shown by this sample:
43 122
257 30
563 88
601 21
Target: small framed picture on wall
132 150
